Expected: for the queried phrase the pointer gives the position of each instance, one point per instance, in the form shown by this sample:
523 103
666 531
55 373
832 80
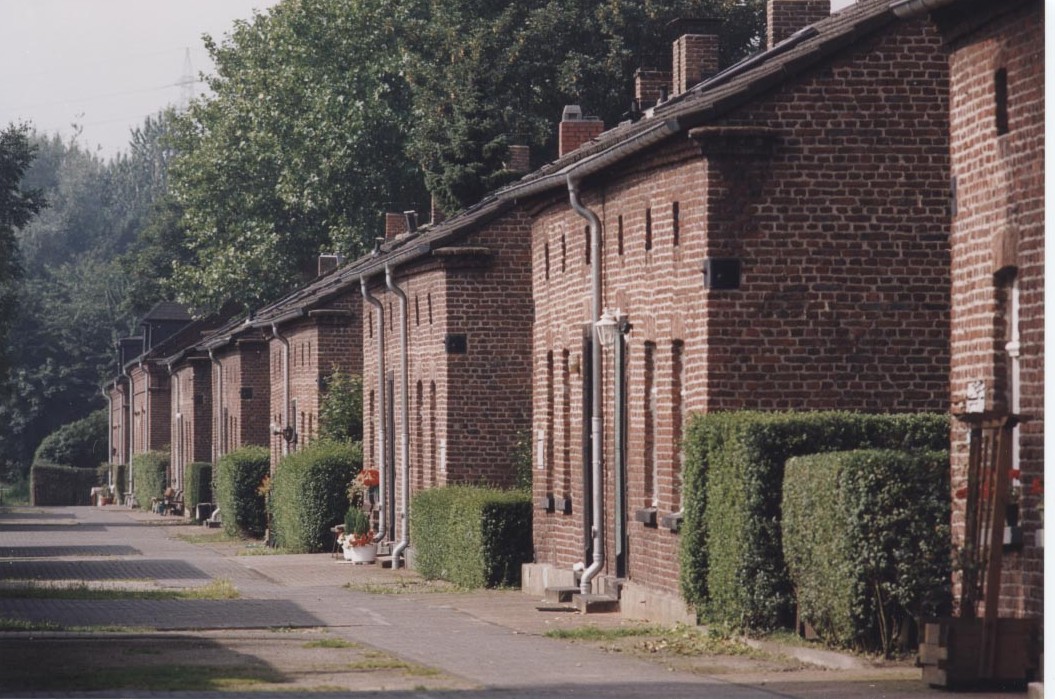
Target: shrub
341 409
56 484
81 444
732 566
150 475
309 494
120 472
867 543
237 481
197 485
474 537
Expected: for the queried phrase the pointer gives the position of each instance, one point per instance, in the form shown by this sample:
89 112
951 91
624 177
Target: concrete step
561 595
596 604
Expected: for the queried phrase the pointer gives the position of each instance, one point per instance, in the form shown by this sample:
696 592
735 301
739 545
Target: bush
197 485
867 543
732 565
150 475
120 472
237 481
57 484
81 444
474 537
341 409
309 494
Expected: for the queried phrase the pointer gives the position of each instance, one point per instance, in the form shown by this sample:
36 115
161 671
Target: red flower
1036 487
1015 473
961 494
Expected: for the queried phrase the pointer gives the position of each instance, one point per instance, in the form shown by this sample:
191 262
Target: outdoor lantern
607 326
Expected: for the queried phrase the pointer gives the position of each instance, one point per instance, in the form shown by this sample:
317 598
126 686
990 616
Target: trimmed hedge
309 494
149 475
236 483
472 536
56 484
732 565
197 485
867 543
81 443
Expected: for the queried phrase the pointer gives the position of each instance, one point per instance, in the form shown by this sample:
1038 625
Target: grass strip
220 589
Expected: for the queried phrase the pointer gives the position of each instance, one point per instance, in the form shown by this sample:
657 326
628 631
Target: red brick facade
469 368
997 146
325 339
241 394
831 191
117 392
192 424
151 408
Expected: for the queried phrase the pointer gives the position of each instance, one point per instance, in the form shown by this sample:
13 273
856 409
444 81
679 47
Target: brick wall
118 407
151 423
191 416
997 236
241 400
839 218
327 339
469 324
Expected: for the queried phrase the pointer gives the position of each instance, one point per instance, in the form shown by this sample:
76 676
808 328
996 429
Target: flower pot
361 554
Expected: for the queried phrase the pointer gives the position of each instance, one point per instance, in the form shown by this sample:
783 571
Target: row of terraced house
851 218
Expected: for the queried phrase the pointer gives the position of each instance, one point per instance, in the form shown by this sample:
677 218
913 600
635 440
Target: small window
586 239
563 253
675 215
417 312
1000 90
648 229
370 324
619 235
428 298
545 252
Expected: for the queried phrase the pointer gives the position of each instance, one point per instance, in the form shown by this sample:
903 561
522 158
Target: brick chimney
436 215
785 17
519 159
650 84
328 263
395 224
575 129
695 52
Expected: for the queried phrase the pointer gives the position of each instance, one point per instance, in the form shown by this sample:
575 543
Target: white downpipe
217 442
382 485
130 430
109 436
597 414
285 387
404 437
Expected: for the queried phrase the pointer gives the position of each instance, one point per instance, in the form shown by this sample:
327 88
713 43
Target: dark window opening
1000 88
675 214
648 229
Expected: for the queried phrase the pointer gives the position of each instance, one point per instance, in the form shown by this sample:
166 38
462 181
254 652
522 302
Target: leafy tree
17 207
341 411
81 443
488 74
300 150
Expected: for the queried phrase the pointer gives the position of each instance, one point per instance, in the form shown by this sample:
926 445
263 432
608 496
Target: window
417 312
651 499
545 253
677 387
619 235
565 420
586 240
428 298
1000 90
547 452
648 229
675 223
563 253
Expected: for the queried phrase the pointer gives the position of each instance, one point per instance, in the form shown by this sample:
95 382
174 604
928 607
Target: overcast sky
107 64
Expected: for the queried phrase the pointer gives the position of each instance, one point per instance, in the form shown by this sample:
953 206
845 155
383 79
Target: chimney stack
575 129
328 263
436 215
650 84
785 17
519 159
395 224
695 52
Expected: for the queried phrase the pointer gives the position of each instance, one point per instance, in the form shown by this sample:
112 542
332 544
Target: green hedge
150 475
81 444
55 484
474 537
732 566
867 543
120 484
197 485
309 494
236 483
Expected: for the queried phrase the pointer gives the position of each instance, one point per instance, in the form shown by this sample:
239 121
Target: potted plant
357 540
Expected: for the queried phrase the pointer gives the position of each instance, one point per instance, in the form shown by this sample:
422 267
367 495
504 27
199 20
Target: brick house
117 396
447 401
996 61
772 236
306 335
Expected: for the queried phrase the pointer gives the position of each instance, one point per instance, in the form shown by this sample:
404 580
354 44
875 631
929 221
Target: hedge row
197 485
150 475
474 537
81 444
867 543
237 480
732 564
54 484
309 494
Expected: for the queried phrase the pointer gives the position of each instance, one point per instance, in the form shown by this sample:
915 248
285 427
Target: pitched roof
167 311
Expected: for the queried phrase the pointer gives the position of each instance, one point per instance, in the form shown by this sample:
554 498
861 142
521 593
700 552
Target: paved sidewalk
490 639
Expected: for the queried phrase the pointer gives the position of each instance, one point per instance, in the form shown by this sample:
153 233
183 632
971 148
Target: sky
106 65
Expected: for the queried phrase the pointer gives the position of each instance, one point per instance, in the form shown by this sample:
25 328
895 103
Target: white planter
361 554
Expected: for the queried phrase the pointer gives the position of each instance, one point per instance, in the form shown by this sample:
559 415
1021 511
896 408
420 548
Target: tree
489 74
299 151
17 207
